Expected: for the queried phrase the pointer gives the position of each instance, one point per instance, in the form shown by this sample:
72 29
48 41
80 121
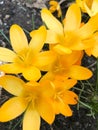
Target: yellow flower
68 66
25 58
32 98
63 97
54 6
88 6
72 36
94 49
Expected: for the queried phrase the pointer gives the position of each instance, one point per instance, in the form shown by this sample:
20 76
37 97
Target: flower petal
62 50
89 28
48 76
73 18
95 51
45 58
65 84
95 7
51 22
68 60
12 109
47 88
70 98
32 73
79 72
31 120
63 108
12 84
46 111
11 68
38 39
52 37
18 38
7 55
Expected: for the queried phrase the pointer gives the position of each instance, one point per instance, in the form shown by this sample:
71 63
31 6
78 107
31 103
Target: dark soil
23 12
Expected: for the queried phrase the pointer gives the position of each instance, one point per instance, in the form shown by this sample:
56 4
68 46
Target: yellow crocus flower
68 66
63 97
32 98
25 58
70 35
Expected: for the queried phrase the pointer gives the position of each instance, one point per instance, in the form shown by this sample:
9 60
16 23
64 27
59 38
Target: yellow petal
32 73
65 84
89 43
95 7
38 39
62 50
7 55
46 111
70 98
51 22
48 76
12 108
52 37
45 58
12 84
95 51
18 38
80 73
73 18
54 3
47 88
87 9
31 120
89 28
64 109
91 9
89 51
11 68
70 59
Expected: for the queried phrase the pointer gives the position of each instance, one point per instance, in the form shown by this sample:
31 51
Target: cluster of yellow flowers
49 94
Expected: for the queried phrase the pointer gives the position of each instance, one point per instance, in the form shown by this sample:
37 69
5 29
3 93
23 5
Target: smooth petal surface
12 108
66 84
62 50
46 110
48 76
7 55
12 84
11 68
32 73
52 37
95 51
47 88
63 108
38 39
51 22
80 73
18 38
90 27
45 58
70 98
73 18
31 120
70 59
95 7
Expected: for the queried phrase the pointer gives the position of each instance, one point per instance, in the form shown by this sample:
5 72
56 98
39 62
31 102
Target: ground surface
22 12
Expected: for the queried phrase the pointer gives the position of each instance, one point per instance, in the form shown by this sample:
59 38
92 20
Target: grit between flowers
44 96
